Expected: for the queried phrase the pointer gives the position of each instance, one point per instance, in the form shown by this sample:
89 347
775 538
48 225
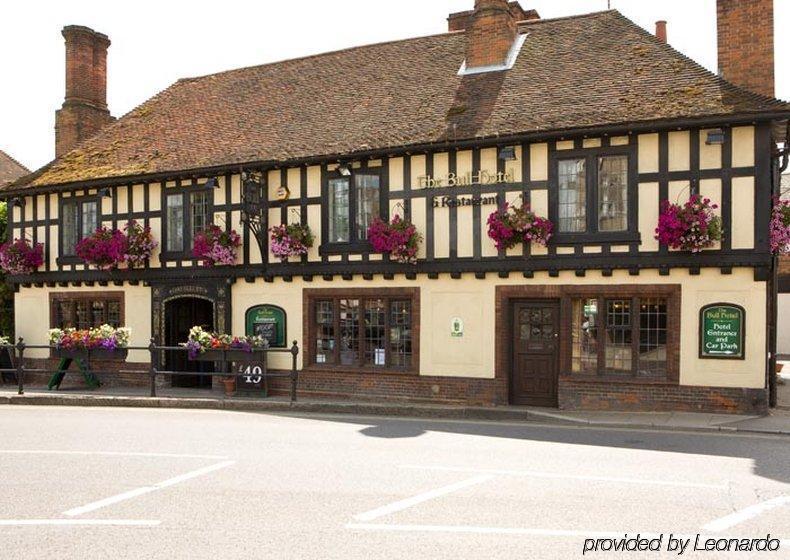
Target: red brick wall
490 34
746 43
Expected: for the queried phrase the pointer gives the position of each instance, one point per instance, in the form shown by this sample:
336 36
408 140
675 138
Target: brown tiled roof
574 72
10 169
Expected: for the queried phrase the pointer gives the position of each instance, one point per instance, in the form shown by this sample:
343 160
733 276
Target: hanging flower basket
100 343
291 240
216 247
691 227
105 248
204 346
780 227
140 244
399 238
512 225
20 257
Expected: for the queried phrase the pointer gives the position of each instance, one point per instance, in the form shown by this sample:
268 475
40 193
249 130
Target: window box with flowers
691 227
216 247
511 225
21 257
100 343
399 238
205 346
291 240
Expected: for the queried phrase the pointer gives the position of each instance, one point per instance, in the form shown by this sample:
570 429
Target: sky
154 43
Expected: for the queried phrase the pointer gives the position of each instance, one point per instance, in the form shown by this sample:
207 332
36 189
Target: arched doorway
181 314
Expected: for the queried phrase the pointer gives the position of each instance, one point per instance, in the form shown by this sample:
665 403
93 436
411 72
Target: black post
152 366
294 374
20 366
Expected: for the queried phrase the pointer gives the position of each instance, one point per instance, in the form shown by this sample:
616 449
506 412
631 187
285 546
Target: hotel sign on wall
465 180
722 331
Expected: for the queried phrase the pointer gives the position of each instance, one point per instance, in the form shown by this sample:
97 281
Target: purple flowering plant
290 240
105 248
691 227
780 227
511 225
21 257
399 238
200 340
215 246
140 243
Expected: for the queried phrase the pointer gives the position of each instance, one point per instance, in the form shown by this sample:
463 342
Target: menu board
269 322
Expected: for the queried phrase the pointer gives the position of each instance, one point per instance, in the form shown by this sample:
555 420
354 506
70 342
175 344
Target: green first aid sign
722 331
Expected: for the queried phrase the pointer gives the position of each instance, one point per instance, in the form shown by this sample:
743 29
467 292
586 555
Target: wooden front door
535 347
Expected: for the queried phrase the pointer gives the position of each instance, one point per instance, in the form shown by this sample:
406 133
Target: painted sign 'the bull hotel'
590 120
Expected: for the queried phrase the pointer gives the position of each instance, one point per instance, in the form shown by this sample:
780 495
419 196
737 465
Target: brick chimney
84 110
746 43
490 31
459 21
661 30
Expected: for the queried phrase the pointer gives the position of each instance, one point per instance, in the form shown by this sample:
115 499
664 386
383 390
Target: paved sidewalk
777 422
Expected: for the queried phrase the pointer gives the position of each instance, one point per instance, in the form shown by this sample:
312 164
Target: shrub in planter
399 238
780 227
512 225
691 227
105 248
21 257
215 246
140 244
201 343
290 240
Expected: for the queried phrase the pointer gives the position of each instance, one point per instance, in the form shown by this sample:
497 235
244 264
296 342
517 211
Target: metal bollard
20 366
152 367
294 373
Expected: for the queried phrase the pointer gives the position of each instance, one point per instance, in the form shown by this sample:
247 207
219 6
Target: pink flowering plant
691 227
21 257
511 225
140 244
215 246
399 238
105 248
780 227
290 240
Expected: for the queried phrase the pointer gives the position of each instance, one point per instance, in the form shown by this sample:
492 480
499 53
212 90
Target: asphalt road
146 483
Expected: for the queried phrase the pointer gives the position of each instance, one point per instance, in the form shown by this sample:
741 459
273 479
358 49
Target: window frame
592 233
72 258
354 244
312 296
185 192
56 298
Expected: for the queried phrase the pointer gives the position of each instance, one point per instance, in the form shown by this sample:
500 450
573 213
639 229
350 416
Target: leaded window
572 196
613 193
186 214
353 203
85 311
79 219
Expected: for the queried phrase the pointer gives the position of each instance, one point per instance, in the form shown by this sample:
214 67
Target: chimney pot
661 30
84 111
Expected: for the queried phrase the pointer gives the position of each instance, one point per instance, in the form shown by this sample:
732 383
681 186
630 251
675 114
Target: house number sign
722 331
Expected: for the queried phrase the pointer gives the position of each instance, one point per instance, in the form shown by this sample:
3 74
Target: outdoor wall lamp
17 201
212 183
344 170
105 192
507 153
715 137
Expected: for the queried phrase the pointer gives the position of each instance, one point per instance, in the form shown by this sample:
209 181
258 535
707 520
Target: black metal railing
223 357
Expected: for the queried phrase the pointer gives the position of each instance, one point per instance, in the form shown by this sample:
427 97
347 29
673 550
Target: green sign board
722 331
267 321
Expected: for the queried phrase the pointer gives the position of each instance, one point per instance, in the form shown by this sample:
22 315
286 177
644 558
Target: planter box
94 354
227 355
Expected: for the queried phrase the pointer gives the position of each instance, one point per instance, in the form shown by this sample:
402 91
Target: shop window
365 331
353 203
619 336
79 218
86 310
186 214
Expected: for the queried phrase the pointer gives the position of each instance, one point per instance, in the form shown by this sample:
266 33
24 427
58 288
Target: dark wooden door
181 315
535 347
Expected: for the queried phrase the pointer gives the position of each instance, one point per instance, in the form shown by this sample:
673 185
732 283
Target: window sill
345 248
616 237
367 370
60 261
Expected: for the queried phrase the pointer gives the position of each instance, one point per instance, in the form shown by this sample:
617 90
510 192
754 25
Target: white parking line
745 514
78 522
146 489
420 498
538 474
108 453
520 531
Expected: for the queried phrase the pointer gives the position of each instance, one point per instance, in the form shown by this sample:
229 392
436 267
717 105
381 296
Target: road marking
523 531
538 474
78 522
420 498
108 453
745 514
146 489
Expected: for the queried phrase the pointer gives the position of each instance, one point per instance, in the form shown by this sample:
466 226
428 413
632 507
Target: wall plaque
722 331
267 321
